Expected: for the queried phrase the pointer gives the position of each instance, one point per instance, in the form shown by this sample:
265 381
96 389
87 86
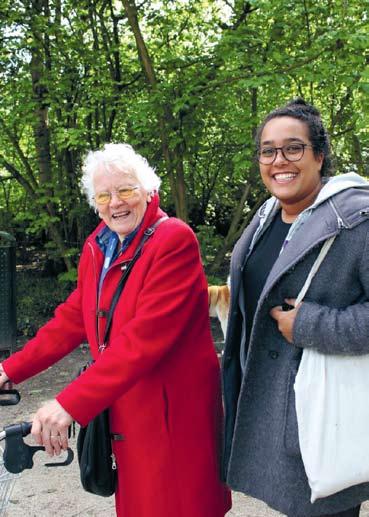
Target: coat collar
343 211
321 225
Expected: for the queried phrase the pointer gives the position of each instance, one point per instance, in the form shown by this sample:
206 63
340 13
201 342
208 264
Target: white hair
117 158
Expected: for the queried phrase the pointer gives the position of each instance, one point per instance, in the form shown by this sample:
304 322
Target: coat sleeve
336 331
62 334
172 299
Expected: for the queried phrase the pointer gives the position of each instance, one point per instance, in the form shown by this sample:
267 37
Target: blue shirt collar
105 234
109 243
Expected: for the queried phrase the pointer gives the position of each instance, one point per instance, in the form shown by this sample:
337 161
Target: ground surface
45 492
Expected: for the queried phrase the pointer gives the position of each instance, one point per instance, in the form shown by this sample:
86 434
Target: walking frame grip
9 397
18 455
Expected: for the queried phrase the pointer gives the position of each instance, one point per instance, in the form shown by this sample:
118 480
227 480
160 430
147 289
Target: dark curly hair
307 113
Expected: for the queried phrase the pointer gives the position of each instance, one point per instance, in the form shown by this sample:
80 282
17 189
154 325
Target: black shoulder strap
127 268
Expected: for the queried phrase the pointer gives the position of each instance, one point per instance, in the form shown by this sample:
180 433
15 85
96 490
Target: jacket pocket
290 434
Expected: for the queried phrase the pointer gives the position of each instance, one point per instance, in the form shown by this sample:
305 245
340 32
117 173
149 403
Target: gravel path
43 492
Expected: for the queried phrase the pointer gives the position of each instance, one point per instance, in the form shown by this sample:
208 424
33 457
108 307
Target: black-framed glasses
123 193
291 152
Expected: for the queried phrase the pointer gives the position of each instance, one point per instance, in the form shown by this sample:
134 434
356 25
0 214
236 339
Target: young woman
264 343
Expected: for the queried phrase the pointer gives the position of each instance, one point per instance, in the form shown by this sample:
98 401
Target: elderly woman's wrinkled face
292 182
120 215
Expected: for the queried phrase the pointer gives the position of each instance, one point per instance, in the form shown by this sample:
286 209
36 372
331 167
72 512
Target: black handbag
95 456
97 465
98 470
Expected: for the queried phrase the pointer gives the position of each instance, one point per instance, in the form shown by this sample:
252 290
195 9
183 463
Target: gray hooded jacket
261 450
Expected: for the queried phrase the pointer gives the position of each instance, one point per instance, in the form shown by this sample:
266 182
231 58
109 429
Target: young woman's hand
285 319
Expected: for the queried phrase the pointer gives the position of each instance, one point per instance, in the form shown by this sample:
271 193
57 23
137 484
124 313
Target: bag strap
322 254
126 271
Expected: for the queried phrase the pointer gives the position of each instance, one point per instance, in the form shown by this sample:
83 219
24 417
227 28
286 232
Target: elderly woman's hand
50 427
285 319
3 377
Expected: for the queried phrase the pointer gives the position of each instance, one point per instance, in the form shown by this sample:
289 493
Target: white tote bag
332 406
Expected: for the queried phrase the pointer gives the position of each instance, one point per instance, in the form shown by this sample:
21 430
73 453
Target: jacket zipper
340 222
96 293
102 346
113 462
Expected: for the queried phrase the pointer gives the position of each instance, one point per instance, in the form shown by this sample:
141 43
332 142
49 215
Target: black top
259 265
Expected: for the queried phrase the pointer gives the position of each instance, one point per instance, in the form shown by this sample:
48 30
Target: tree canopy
186 83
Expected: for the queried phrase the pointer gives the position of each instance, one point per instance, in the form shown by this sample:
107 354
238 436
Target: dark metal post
8 319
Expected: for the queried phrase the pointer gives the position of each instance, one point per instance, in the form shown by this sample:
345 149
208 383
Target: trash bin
8 320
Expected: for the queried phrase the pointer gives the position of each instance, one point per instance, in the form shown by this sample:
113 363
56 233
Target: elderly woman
264 344
158 373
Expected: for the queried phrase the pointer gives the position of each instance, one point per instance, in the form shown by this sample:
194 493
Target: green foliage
215 279
209 243
68 276
37 298
71 79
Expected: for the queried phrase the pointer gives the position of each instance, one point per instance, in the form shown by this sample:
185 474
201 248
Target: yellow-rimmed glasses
123 193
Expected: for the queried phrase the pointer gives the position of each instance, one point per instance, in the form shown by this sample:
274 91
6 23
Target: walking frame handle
9 397
18 455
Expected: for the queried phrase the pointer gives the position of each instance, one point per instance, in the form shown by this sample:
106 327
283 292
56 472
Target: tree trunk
41 128
358 156
173 158
237 226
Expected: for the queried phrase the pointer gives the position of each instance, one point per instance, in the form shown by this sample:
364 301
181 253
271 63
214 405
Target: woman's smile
121 214
284 177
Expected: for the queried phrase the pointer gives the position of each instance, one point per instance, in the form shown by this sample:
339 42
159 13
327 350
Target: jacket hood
331 187
346 206
338 184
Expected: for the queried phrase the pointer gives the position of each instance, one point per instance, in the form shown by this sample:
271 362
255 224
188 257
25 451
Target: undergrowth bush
37 298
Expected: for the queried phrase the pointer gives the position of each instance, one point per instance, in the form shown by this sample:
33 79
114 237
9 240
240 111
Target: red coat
159 373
